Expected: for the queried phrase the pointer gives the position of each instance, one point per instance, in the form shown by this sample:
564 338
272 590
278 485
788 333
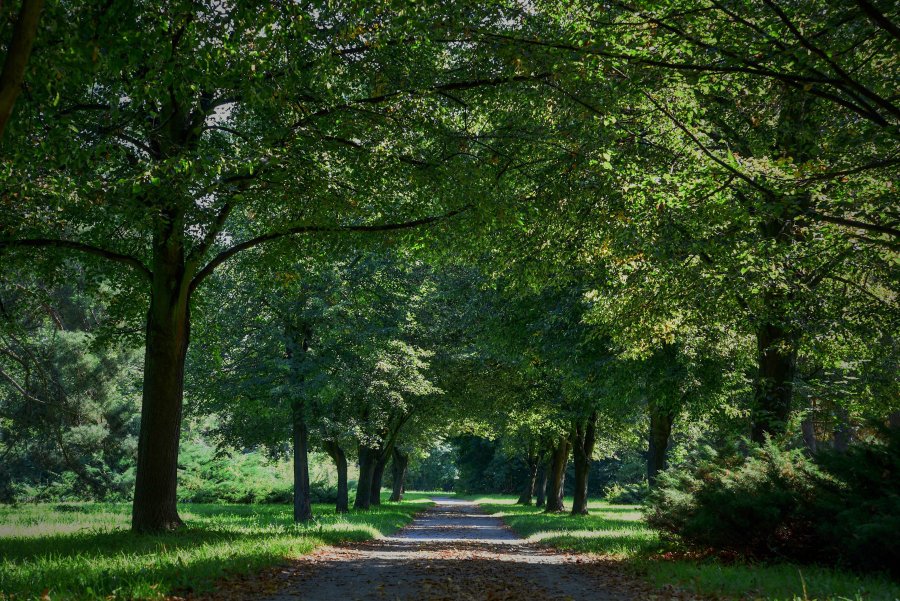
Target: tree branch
309 229
878 18
132 262
861 225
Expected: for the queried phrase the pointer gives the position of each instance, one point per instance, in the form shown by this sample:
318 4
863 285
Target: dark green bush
778 503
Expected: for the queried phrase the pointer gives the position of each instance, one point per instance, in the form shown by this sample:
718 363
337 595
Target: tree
287 125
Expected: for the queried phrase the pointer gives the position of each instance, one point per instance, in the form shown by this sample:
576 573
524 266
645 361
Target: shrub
626 494
777 502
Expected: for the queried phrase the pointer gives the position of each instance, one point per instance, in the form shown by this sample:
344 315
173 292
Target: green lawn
85 551
618 531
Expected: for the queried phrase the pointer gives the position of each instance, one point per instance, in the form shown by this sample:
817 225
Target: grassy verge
618 531
85 551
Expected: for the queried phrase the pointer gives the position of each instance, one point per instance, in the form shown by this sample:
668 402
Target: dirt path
455 552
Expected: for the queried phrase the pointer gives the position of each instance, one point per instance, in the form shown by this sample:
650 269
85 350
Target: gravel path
453 551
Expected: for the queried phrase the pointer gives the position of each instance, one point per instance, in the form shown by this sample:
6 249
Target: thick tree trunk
342 504
367 460
399 466
17 54
585 439
777 361
378 477
543 470
661 420
558 463
531 462
168 333
302 501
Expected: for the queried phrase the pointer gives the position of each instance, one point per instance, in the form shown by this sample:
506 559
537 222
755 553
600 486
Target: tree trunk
367 461
398 470
843 431
808 427
585 439
661 420
543 470
894 420
558 463
531 462
168 333
17 54
378 477
302 501
776 339
337 454
777 361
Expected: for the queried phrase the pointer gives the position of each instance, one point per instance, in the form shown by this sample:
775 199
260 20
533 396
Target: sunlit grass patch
87 551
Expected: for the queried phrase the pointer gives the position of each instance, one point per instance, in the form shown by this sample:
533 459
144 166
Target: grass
618 532
85 550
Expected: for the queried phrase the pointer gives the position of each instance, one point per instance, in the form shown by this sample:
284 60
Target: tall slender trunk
366 472
543 470
378 477
531 462
558 463
399 466
585 439
661 420
302 501
337 454
777 364
168 333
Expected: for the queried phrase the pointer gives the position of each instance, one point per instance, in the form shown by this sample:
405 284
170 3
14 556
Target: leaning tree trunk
585 439
558 463
543 470
367 459
399 466
339 457
531 462
302 501
661 420
378 477
168 333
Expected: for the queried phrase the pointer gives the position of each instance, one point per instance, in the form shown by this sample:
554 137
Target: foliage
626 494
777 504
211 475
434 469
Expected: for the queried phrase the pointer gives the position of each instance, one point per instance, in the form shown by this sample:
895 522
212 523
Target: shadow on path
453 551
